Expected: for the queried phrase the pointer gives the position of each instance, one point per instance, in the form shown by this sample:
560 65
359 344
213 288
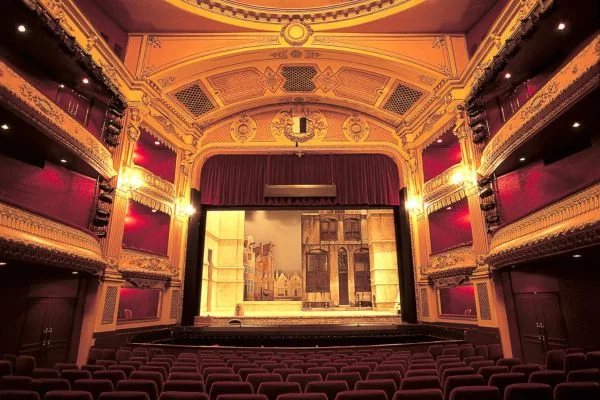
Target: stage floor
309 317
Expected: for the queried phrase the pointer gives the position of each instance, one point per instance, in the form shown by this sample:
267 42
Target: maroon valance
361 179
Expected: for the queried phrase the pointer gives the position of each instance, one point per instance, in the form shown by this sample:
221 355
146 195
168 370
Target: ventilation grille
110 302
424 303
195 100
175 304
298 79
402 99
484 302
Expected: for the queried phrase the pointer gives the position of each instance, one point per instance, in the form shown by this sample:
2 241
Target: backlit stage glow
295 267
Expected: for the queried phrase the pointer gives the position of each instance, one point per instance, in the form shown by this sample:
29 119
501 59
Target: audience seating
393 375
555 359
94 386
256 379
273 389
147 386
455 381
420 382
349 377
584 375
330 388
386 385
574 361
24 365
362 395
528 391
67 395
228 387
128 395
299 396
41 373
577 390
487 372
475 393
502 380
183 386
304 379
18 395
419 394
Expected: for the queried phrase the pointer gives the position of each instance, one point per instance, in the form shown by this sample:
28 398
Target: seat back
73 375
475 393
228 387
501 381
41 386
125 395
273 389
19 395
452 382
386 385
24 365
256 379
94 386
419 394
304 379
584 375
577 390
68 395
420 382
330 388
147 386
528 391
183 386
373 394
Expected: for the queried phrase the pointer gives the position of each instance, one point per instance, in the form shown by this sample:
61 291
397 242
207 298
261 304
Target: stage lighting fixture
100 212
105 187
22 28
487 192
522 159
99 221
512 47
477 119
492 219
115 112
492 229
487 206
507 75
100 234
577 256
479 128
113 127
105 198
576 124
480 138
561 26
3 263
485 181
62 160
111 140
4 127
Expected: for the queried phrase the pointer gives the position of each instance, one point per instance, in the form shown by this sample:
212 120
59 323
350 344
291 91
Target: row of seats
389 373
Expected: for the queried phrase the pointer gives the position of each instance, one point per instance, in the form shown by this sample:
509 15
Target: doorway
343 277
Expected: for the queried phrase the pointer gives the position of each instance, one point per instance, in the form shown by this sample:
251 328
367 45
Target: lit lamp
412 204
130 181
185 209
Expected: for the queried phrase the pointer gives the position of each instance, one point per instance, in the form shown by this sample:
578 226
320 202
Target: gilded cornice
458 258
577 78
30 237
138 264
442 185
156 192
34 106
568 224
332 16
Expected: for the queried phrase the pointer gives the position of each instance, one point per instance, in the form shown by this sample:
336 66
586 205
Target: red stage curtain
361 179
53 191
450 228
145 230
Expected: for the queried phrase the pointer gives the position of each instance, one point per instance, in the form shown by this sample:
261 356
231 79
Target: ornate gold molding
443 264
443 185
138 264
155 192
30 237
577 78
45 115
356 129
243 129
569 224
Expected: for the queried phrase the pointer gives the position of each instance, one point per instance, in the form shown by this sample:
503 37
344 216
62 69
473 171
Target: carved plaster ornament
296 32
243 129
356 129
283 122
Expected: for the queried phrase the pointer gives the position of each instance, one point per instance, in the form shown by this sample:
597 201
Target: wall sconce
130 181
185 209
412 204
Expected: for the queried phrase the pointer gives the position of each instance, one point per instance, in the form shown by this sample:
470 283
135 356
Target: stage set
299 267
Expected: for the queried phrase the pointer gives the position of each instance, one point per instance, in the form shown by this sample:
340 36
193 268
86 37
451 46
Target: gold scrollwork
243 129
356 129
282 124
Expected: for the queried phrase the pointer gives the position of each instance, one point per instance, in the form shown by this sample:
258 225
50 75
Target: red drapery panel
450 228
361 179
53 191
146 230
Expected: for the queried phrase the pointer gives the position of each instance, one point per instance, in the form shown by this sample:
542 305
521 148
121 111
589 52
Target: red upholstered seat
487 372
93 355
501 381
183 386
41 386
422 356
94 386
135 364
435 350
323 371
246 365
593 359
122 355
584 375
273 389
475 393
456 371
192 369
158 364
210 379
304 366
528 391
304 379
470 360
284 372
394 375
451 351
551 378
243 397
574 361
24 365
68 395
19 395
181 376
169 395
421 372
128 395
482 350
155 376
420 382
256 379
6 368
363 370
450 360
349 377
215 370
128 369
577 390
478 364
399 367
362 395
445 367
330 388
509 362
62 366
301 396
454 381
527 369
387 385
112 375
74 374
466 351
109 354
41 373
227 387
106 363
419 394
555 360
147 386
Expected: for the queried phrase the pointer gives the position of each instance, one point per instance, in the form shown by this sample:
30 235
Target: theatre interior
299 200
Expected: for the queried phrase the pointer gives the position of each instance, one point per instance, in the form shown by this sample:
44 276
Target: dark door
47 327
541 324
343 277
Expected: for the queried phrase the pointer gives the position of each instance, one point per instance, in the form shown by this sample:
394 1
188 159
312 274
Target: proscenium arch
177 75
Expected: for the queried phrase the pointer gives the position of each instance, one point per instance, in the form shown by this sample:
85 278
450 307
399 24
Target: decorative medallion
296 32
243 129
316 125
356 129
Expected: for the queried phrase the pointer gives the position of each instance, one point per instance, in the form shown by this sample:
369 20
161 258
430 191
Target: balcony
32 105
33 238
577 78
568 224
